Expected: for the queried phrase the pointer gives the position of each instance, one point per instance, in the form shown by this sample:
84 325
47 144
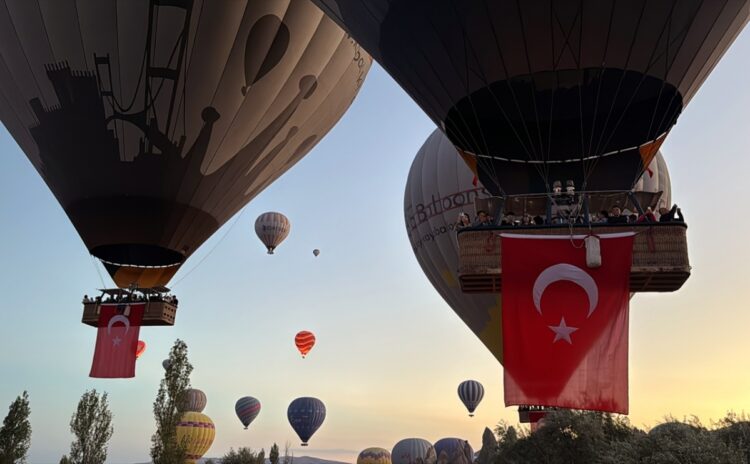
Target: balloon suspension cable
211 250
101 279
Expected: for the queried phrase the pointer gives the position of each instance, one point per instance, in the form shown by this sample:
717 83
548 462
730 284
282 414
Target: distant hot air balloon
438 188
140 348
198 432
162 119
374 456
195 400
471 393
413 451
535 91
305 341
453 451
316 252
306 415
247 409
166 363
272 228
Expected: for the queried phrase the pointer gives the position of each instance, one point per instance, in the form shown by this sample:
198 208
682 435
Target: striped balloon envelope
247 409
272 228
374 456
140 348
198 432
453 451
413 451
305 341
195 400
471 393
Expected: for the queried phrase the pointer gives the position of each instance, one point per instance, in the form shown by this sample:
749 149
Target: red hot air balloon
140 349
305 341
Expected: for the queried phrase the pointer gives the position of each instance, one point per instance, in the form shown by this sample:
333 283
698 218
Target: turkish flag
117 340
565 325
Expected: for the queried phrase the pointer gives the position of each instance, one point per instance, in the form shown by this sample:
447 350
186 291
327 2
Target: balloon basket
303 444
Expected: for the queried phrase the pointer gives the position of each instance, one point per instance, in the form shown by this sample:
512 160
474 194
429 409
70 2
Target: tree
244 456
169 406
15 434
65 460
91 425
273 455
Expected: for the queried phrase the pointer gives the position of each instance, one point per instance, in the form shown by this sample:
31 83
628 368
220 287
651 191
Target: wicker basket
660 255
157 313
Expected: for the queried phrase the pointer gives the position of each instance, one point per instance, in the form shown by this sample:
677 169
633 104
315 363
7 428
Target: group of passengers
614 216
132 298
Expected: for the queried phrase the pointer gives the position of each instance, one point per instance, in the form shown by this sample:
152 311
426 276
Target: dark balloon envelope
154 122
306 415
539 90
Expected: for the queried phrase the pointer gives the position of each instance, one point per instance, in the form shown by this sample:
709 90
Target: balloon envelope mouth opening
138 255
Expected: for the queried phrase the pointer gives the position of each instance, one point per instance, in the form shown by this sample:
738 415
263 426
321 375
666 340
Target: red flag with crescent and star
117 340
565 325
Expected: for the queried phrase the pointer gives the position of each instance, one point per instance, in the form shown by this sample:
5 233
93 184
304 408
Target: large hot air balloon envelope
438 188
247 409
272 228
374 456
304 341
155 122
198 432
413 451
306 415
195 400
535 91
471 393
453 451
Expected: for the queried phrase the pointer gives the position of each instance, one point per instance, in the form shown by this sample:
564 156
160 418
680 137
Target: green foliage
65 460
169 406
600 438
15 434
244 456
91 425
273 455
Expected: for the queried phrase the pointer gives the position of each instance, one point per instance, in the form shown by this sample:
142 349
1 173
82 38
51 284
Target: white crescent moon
569 272
117 319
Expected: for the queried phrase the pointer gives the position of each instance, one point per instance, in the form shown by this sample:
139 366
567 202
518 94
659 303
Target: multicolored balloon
140 348
374 456
471 393
195 400
247 409
453 451
413 451
305 341
306 415
272 228
198 432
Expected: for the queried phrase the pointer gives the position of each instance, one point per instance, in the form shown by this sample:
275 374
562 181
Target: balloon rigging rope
211 250
101 279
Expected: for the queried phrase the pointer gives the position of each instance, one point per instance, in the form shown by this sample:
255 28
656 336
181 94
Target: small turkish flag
565 326
116 340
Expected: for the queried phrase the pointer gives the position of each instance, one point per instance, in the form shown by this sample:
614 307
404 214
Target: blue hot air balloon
306 415
471 393
247 409
453 451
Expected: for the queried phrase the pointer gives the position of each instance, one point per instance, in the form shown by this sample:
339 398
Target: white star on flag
116 341
562 331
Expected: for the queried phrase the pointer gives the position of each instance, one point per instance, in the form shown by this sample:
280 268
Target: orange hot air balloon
305 341
140 349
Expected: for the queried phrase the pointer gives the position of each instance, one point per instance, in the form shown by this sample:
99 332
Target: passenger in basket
648 216
483 219
669 215
463 221
616 217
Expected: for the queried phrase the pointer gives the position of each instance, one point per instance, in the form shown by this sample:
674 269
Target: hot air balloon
140 348
195 400
374 456
438 188
316 252
471 393
272 228
198 432
535 91
166 363
413 451
155 122
453 451
305 341
306 415
247 409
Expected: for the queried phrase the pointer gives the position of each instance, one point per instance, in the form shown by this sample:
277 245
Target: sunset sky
390 352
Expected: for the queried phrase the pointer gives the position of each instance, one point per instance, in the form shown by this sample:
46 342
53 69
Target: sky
390 352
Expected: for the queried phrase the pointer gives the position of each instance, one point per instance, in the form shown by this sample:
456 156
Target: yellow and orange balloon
196 432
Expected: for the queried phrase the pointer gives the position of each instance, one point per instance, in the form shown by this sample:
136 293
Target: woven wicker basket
157 313
660 255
